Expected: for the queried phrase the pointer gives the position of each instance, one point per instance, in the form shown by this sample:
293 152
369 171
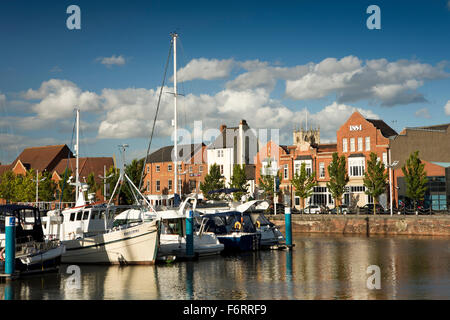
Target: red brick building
56 159
159 173
356 139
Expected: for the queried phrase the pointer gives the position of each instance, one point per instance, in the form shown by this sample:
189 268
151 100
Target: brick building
159 174
433 144
56 159
356 139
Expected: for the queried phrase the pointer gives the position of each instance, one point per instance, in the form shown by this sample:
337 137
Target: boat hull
204 245
133 245
237 241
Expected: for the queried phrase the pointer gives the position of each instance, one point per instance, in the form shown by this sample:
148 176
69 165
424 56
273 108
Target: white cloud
423 113
205 69
447 108
58 99
113 60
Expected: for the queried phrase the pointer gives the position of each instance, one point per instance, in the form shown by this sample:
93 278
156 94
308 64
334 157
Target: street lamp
37 186
391 166
104 177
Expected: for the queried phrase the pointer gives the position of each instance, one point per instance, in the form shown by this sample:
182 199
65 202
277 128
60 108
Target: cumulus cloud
423 113
206 69
111 61
447 108
58 99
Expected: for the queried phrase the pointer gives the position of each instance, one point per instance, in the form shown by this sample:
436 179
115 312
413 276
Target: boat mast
174 39
77 148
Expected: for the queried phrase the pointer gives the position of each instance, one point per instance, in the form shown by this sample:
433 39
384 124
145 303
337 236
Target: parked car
368 209
343 209
313 209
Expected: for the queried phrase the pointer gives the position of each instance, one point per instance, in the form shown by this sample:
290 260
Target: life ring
2 258
258 224
237 225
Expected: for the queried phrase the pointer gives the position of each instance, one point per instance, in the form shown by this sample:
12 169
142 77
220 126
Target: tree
47 187
213 181
7 181
375 179
415 178
239 181
65 190
25 187
338 178
93 185
266 182
304 184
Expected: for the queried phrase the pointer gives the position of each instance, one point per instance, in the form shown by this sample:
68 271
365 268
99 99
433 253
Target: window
179 168
220 153
221 169
200 169
85 215
192 184
356 167
72 216
180 185
170 185
355 189
158 185
286 171
367 143
344 145
148 185
190 169
148 169
297 201
385 158
352 144
169 167
79 214
321 170
360 144
157 168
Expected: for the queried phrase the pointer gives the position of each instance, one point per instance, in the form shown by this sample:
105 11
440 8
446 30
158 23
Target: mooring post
190 234
288 226
10 244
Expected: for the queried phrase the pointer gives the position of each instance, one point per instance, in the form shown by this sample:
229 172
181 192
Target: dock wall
367 224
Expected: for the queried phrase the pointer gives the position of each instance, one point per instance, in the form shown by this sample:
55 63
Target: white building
236 145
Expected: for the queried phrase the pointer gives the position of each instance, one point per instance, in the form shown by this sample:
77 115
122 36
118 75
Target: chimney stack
222 127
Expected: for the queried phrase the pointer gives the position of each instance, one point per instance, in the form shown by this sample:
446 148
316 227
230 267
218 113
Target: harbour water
319 267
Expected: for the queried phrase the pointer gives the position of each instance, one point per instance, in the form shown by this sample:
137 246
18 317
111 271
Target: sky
271 63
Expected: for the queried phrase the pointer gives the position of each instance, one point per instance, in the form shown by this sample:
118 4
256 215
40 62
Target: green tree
93 185
375 179
66 192
415 178
47 187
304 184
113 174
213 181
239 181
266 183
7 182
338 178
25 187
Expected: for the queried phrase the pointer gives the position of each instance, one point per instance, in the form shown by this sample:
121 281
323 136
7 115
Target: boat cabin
28 223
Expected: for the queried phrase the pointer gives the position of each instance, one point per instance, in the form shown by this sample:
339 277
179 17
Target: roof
227 135
328 147
11 208
441 164
356 155
438 127
164 154
4 167
87 166
386 130
43 158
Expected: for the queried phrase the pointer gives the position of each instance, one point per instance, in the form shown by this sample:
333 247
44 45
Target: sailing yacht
89 236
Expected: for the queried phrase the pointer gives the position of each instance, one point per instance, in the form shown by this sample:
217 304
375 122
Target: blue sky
262 61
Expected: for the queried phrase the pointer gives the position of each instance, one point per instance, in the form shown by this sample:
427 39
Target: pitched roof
164 154
327 147
42 158
87 166
4 167
386 130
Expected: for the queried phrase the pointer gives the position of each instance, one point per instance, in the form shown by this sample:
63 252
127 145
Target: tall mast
174 37
77 177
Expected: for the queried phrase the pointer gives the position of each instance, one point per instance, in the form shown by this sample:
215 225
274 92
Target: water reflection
319 267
